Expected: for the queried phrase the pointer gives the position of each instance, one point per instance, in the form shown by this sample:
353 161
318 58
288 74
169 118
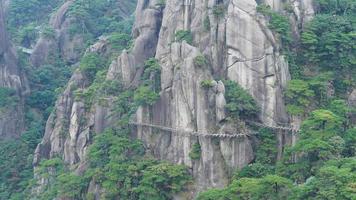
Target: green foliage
319 84
299 96
119 41
99 90
240 104
24 19
16 158
25 15
117 163
319 141
206 23
328 42
90 64
24 11
48 32
183 35
148 91
62 183
335 180
152 74
322 120
161 180
44 83
70 185
269 187
94 18
145 96
206 84
254 170
219 10
266 152
195 152
113 146
8 98
16 168
27 35
340 7
277 22
200 61
124 105
350 143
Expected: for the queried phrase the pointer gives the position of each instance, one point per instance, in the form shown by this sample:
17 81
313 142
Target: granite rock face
64 44
237 45
11 118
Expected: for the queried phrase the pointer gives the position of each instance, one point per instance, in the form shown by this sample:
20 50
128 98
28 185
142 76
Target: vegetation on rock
240 104
321 163
183 35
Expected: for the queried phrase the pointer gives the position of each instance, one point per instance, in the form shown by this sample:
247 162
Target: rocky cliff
11 77
62 43
237 45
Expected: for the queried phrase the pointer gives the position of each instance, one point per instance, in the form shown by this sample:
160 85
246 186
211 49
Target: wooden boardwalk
202 134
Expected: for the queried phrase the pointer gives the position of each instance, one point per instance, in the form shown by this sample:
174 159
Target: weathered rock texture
63 44
11 118
237 45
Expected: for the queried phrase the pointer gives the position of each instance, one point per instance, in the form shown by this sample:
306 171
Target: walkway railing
196 133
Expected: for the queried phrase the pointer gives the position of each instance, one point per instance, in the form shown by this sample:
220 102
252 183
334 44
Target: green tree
335 180
90 64
298 96
183 35
319 141
118 164
8 98
270 187
240 104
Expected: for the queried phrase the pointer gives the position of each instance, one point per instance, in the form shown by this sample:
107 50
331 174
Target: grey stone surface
11 118
237 46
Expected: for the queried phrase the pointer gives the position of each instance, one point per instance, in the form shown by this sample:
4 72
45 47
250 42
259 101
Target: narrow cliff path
203 134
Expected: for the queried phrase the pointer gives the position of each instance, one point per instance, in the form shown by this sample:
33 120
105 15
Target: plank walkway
195 133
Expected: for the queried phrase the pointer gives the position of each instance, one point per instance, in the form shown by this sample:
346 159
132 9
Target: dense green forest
321 165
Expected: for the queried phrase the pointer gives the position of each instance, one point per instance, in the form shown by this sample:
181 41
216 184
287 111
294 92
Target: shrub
254 170
195 152
8 97
200 61
299 96
267 187
145 96
161 180
27 35
183 35
71 185
90 64
118 165
48 32
152 74
240 104
206 23
119 41
266 151
23 12
206 84
219 10
277 22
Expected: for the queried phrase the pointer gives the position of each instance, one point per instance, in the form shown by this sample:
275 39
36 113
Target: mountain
191 99
13 85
